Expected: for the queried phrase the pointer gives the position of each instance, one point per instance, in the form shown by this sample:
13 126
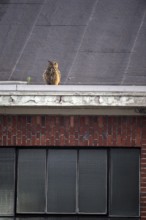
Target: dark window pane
61 180
31 181
93 181
66 218
4 218
92 218
124 182
7 181
31 218
124 218
49 218
63 218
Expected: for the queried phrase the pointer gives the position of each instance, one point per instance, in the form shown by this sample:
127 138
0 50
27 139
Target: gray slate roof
94 41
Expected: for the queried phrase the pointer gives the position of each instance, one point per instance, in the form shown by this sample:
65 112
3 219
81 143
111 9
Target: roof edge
82 99
24 86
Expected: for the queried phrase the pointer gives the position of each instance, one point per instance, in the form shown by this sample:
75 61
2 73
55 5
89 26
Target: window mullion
46 181
16 178
77 183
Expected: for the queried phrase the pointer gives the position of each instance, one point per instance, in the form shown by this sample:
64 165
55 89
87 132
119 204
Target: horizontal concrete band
22 86
73 97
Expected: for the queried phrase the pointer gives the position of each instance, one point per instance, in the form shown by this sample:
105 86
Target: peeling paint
71 98
57 100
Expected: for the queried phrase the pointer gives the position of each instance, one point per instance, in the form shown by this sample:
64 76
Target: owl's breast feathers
52 75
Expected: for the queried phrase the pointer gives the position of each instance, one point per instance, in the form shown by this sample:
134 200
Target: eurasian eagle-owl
52 75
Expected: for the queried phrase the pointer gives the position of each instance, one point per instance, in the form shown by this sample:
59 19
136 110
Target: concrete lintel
22 86
72 90
72 101
81 88
62 97
12 82
69 111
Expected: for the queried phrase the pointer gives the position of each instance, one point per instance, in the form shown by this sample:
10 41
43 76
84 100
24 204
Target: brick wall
115 131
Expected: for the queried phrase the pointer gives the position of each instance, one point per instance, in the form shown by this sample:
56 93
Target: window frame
62 214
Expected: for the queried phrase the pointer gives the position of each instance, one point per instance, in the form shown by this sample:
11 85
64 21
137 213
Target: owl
52 75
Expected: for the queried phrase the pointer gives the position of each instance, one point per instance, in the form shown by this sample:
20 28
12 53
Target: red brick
109 140
72 121
98 131
62 140
100 121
